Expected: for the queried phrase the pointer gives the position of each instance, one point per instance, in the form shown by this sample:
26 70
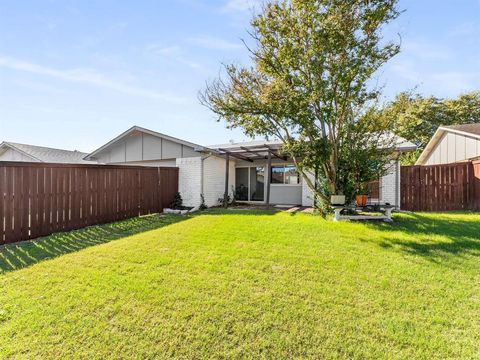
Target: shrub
177 202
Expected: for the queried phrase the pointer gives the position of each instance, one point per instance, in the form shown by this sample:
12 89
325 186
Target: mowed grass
247 284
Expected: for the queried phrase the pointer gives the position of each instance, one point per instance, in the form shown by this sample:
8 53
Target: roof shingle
50 155
468 128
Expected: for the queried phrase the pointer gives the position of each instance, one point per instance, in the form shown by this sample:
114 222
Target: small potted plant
362 195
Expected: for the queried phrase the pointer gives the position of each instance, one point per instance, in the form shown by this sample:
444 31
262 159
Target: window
277 174
285 174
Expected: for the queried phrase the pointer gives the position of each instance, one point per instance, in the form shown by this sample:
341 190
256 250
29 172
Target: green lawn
246 284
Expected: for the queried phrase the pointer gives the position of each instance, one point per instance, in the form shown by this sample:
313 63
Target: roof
248 150
398 143
254 143
257 149
143 130
470 130
46 154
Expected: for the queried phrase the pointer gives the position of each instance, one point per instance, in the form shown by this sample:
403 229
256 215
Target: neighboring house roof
470 130
45 154
400 144
146 131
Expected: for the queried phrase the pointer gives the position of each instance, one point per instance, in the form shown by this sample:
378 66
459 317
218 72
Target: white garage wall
307 193
214 179
189 180
204 176
390 185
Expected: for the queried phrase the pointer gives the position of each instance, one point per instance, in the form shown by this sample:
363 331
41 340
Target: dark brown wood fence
374 189
38 199
441 187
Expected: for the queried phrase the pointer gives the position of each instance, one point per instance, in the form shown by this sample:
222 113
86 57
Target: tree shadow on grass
434 236
20 255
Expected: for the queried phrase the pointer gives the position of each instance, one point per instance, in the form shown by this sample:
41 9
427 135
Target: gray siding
133 148
140 147
152 147
165 163
189 152
453 148
171 150
286 194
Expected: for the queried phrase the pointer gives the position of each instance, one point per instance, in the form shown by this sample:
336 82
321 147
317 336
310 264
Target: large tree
416 118
309 86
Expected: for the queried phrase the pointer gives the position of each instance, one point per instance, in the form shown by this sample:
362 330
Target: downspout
397 184
210 152
202 173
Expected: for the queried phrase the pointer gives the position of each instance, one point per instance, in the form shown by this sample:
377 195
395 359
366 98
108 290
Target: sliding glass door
241 184
257 183
250 183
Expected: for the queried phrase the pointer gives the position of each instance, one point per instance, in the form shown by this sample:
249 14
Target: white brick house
203 175
257 172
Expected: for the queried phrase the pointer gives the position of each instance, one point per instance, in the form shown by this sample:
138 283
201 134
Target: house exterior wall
12 155
155 163
286 194
205 176
453 148
280 194
190 180
390 185
140 146
214 179
307 193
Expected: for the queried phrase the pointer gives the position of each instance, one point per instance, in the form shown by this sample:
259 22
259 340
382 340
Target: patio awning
248 151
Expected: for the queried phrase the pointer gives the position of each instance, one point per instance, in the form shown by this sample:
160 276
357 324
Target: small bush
177 202
221 200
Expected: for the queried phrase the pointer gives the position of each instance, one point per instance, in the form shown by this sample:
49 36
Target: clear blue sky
74 74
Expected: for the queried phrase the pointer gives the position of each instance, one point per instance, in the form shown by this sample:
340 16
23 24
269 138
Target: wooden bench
385 209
